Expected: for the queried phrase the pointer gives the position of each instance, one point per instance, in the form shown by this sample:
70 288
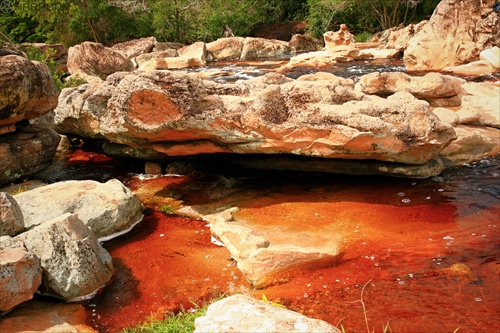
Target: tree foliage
110 21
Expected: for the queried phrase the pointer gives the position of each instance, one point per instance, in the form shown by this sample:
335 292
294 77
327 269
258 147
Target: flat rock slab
240 313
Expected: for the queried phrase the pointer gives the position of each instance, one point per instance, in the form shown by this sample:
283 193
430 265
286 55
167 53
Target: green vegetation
167 209
109 21
264 298
182 322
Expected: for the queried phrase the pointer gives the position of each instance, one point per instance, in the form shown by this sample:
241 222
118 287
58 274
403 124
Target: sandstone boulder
226 48
144 58
475 68
196 52
455 34
429 86
94 59
108 209
399 38
302 43
341 38
241 313
11 217
20 273
26 152
258 48
480 104
320 116
492 56
75 266
135 47
28 89
164 46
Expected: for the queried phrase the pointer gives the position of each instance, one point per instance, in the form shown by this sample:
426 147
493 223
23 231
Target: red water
425 251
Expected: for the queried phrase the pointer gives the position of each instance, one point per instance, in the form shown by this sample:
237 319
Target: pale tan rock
20 273
143 58
41 317
379 53
447 116
492 56
241 313
196 53
340 38
472 144
431 85
11 217
75 265
135 47
475 68
28 89
272 115
108 209
398 38
454 35
258 48
226 48
94 59
480 104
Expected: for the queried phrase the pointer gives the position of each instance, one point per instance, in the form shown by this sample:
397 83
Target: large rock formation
240 313
75 266
27 90
107 209
454 35
318 115
20 273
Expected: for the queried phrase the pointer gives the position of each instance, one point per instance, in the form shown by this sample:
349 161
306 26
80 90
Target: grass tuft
182 322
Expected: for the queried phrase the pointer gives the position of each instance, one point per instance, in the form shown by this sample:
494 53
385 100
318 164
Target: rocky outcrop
241 313
341 38
264 262
27 90
433 87
135 47
75 266
94 59
454 35
259 48
226 48
26 152
303 43
20 273
492 56
108 209
317 115
11 217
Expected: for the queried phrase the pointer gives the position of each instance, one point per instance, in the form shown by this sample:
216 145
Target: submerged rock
75 266
108 209
240 313
264 257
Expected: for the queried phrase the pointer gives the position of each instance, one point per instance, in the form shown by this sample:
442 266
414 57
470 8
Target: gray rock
240 313
108 209
20 273
11 217
75 265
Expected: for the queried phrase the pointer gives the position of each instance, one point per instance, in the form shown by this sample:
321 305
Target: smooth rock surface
135 47
75 265
11 217
226 48
264 256
258 48
108 209
241 313
492 56
20 273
